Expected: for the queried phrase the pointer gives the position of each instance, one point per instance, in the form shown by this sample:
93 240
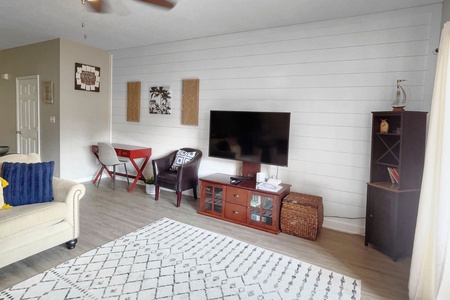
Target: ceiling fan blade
97 5
163 3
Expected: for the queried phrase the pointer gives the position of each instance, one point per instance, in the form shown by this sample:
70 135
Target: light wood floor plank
107 214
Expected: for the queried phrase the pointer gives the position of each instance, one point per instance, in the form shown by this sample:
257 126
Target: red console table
131 152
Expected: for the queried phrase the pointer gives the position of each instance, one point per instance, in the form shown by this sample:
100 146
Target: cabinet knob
371 215
235 212
236 196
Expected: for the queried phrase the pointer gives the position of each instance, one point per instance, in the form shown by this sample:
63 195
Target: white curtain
430 265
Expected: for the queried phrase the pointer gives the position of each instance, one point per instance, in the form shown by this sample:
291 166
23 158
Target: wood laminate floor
107 214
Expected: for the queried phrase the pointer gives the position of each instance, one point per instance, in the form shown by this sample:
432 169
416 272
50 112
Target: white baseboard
90 179
82 180
345 225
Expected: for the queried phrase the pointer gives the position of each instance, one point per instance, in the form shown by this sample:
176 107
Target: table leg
100 172
139 174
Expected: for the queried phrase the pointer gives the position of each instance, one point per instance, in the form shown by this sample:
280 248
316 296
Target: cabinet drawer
238 196
236 212
123 153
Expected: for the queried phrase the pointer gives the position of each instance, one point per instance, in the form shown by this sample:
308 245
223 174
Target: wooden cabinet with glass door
213 197
262 209
242 203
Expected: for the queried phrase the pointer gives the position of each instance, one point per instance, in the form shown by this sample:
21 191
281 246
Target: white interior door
27 105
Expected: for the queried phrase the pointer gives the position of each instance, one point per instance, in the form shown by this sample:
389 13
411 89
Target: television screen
256 137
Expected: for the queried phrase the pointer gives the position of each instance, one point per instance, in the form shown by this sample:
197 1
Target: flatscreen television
250 136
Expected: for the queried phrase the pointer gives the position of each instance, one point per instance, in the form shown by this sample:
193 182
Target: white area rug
172 260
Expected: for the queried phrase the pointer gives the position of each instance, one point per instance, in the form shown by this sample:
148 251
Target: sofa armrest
69 192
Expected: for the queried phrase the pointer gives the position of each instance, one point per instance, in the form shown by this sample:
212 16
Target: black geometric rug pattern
171 260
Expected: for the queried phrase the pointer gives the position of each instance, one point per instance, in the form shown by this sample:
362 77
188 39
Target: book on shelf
396 175
393 173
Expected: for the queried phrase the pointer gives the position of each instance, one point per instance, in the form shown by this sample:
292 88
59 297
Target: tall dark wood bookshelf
391 211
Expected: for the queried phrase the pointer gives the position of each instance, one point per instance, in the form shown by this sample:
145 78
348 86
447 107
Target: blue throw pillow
28 183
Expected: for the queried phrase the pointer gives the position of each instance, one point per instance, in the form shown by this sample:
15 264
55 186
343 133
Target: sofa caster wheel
71 244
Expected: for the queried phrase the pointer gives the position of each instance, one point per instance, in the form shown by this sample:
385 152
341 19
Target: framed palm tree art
160 100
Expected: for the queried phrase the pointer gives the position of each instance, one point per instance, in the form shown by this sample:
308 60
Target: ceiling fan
98 6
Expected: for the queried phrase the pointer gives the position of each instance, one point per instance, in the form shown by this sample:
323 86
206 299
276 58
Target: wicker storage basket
302 215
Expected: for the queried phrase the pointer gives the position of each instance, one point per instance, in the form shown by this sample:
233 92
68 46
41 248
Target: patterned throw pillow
28 182
181 158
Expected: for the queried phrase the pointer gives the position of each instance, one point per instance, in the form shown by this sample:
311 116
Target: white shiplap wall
330 75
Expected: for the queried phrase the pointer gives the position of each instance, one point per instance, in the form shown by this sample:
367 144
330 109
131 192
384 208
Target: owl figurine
384 126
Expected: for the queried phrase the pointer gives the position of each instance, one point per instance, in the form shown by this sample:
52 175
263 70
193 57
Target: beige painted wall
445 12
37 59
82 118
7 99
85 116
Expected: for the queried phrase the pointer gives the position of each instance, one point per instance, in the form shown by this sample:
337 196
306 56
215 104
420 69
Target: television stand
249 169
241 203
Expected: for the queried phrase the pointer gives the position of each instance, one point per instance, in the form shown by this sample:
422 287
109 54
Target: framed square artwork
160 100
87 78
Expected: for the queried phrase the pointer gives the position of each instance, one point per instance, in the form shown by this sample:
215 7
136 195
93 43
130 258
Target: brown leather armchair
186 177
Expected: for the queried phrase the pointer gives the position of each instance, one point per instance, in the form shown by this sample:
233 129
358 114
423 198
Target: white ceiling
130 23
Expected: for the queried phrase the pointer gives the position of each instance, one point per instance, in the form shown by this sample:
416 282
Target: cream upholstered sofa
29 229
